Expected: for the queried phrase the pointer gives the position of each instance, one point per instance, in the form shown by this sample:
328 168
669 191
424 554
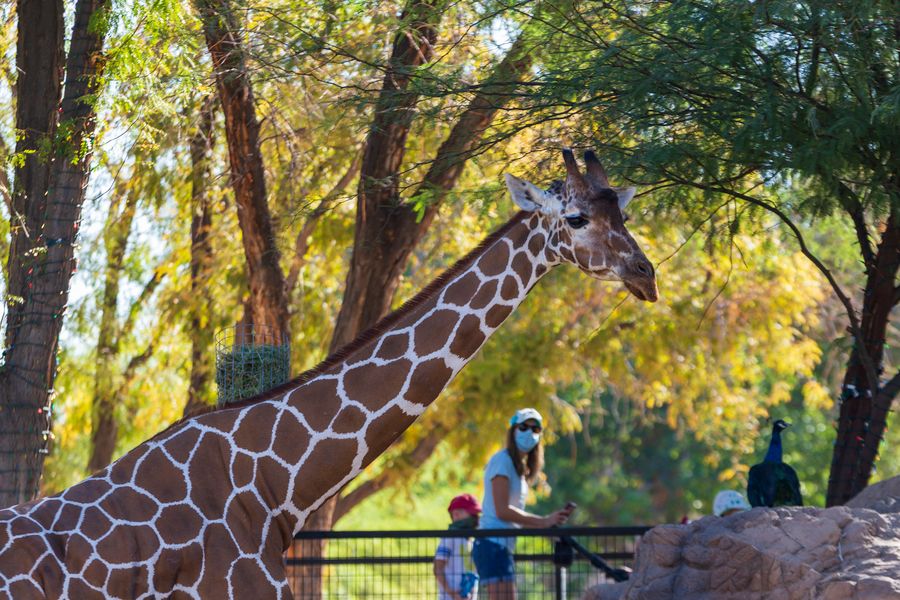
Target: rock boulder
843 552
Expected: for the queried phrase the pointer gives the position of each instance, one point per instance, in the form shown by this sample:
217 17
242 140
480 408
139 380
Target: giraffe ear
525 194
625 195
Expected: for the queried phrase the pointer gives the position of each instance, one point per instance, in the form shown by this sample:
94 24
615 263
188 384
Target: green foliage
700 91
629 466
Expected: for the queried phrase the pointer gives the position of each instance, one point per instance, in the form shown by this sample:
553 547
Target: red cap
467 502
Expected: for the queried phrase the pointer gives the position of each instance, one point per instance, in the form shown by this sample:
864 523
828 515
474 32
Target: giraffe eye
576 221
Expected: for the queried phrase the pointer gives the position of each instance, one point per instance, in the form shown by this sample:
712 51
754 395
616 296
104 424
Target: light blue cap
524 414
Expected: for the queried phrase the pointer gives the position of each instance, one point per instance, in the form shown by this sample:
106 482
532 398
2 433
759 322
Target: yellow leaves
736 471
781 393
817 396
565 417
728 339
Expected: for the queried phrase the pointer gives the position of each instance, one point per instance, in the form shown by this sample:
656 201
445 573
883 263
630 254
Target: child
453 567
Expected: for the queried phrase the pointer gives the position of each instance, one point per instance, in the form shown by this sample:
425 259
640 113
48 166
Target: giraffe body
207 508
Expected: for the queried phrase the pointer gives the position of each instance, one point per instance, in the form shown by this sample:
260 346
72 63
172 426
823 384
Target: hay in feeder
248 370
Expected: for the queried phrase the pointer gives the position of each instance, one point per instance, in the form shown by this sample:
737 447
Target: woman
508 476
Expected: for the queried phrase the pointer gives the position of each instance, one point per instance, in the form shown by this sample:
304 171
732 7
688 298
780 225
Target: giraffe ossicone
206 508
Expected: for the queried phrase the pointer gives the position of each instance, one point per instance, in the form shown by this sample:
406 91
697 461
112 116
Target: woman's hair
531 464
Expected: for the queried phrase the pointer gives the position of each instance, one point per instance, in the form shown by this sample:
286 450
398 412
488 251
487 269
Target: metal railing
351 565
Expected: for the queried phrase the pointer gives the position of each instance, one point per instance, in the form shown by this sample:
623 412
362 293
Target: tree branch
222 30
135 363
128 375
301 243
492 96
865 358
891 388
854 208
149 288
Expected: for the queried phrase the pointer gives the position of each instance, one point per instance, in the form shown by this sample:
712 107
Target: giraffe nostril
644 268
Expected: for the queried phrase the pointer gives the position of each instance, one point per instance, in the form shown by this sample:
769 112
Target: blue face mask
527 440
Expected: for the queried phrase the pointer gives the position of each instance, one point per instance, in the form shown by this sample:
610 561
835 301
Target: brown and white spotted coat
206 508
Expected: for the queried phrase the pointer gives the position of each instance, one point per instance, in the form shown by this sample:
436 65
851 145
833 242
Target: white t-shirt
454 551
501 465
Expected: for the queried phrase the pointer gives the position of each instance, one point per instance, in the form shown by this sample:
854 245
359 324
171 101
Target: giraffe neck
356 408
209 504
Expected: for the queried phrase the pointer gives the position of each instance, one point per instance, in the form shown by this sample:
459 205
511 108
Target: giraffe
207 507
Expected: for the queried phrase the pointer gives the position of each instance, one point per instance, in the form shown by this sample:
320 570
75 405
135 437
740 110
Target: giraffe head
587 225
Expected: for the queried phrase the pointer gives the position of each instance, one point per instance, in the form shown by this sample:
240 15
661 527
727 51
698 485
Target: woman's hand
557 518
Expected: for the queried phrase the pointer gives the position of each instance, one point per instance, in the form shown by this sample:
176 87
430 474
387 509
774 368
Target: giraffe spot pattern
291 439
350 419
95 573
375 385
466 346
178 524
393 346
158 467
485 295
96 523
242 469
427 375
247 436
432 333
460 292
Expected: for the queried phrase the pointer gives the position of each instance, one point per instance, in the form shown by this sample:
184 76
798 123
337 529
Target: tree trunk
381 218
202 360
268 303
104 426
48 209
393 228
861 421
387 228
39 59
366 299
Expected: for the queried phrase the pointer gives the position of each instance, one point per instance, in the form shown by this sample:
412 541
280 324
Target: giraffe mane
370 334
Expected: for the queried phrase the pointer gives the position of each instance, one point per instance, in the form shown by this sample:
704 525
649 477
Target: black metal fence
355 565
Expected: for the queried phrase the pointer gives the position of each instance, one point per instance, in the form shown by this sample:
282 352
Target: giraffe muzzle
644 288
642 280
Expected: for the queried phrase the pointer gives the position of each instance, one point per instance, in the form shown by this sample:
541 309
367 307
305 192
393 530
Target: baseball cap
524 414
727 500
467 502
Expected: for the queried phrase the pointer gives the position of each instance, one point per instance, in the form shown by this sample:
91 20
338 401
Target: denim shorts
493 561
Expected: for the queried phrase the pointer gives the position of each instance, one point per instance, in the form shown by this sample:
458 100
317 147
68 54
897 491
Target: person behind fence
508 476
453 567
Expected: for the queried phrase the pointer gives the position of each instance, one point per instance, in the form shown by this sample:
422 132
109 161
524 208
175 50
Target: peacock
773 483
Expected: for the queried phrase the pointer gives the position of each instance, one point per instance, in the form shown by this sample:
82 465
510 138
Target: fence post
563 556
561 580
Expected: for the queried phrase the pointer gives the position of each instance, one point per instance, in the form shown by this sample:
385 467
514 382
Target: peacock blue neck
774 453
